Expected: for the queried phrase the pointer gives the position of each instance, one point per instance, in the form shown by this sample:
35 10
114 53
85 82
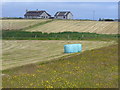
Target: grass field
15 24
22 52
62 26
90 69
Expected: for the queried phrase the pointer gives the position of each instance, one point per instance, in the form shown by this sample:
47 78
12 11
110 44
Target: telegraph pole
93 14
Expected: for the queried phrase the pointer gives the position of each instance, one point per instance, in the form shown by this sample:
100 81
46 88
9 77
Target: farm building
63 15
37 14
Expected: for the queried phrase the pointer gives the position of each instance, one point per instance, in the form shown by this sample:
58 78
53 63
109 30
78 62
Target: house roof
35 13
63 13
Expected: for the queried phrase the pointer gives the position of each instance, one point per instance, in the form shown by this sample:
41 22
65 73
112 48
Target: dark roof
35 13
64 13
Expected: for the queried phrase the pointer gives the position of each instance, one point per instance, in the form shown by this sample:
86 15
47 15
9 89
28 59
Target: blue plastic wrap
72 48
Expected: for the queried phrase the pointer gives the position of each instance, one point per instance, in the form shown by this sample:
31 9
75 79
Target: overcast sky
80 10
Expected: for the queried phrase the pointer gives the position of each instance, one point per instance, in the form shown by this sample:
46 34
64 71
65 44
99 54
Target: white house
36 14
63 15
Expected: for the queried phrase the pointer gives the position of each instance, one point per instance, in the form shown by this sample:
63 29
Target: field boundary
25 35
38 24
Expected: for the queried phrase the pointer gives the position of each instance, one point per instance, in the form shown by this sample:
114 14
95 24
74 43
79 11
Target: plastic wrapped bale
79 47
72 48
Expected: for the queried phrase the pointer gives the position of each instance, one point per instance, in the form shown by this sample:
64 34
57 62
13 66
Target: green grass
90 69
24 35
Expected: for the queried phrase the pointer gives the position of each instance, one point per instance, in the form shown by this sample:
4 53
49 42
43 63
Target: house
63 15
37 14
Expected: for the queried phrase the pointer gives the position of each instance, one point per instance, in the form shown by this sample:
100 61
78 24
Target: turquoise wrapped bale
72 48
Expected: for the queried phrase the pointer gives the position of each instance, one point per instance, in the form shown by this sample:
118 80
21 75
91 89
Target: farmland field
63 25
21 52
37 59
13 24
78 26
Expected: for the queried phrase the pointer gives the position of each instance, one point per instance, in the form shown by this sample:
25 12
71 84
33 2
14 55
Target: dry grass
78 26
62 25
21 52
15 24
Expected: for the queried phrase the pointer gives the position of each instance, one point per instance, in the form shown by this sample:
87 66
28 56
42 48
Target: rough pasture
96 68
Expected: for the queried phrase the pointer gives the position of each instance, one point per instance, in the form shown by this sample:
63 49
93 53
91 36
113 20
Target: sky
80 10
61 0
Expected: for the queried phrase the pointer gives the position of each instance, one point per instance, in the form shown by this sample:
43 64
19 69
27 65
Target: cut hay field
16 24
55 26
22 52
78 26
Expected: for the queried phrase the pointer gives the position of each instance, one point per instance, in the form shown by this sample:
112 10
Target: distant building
37 14
118 20
63 15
